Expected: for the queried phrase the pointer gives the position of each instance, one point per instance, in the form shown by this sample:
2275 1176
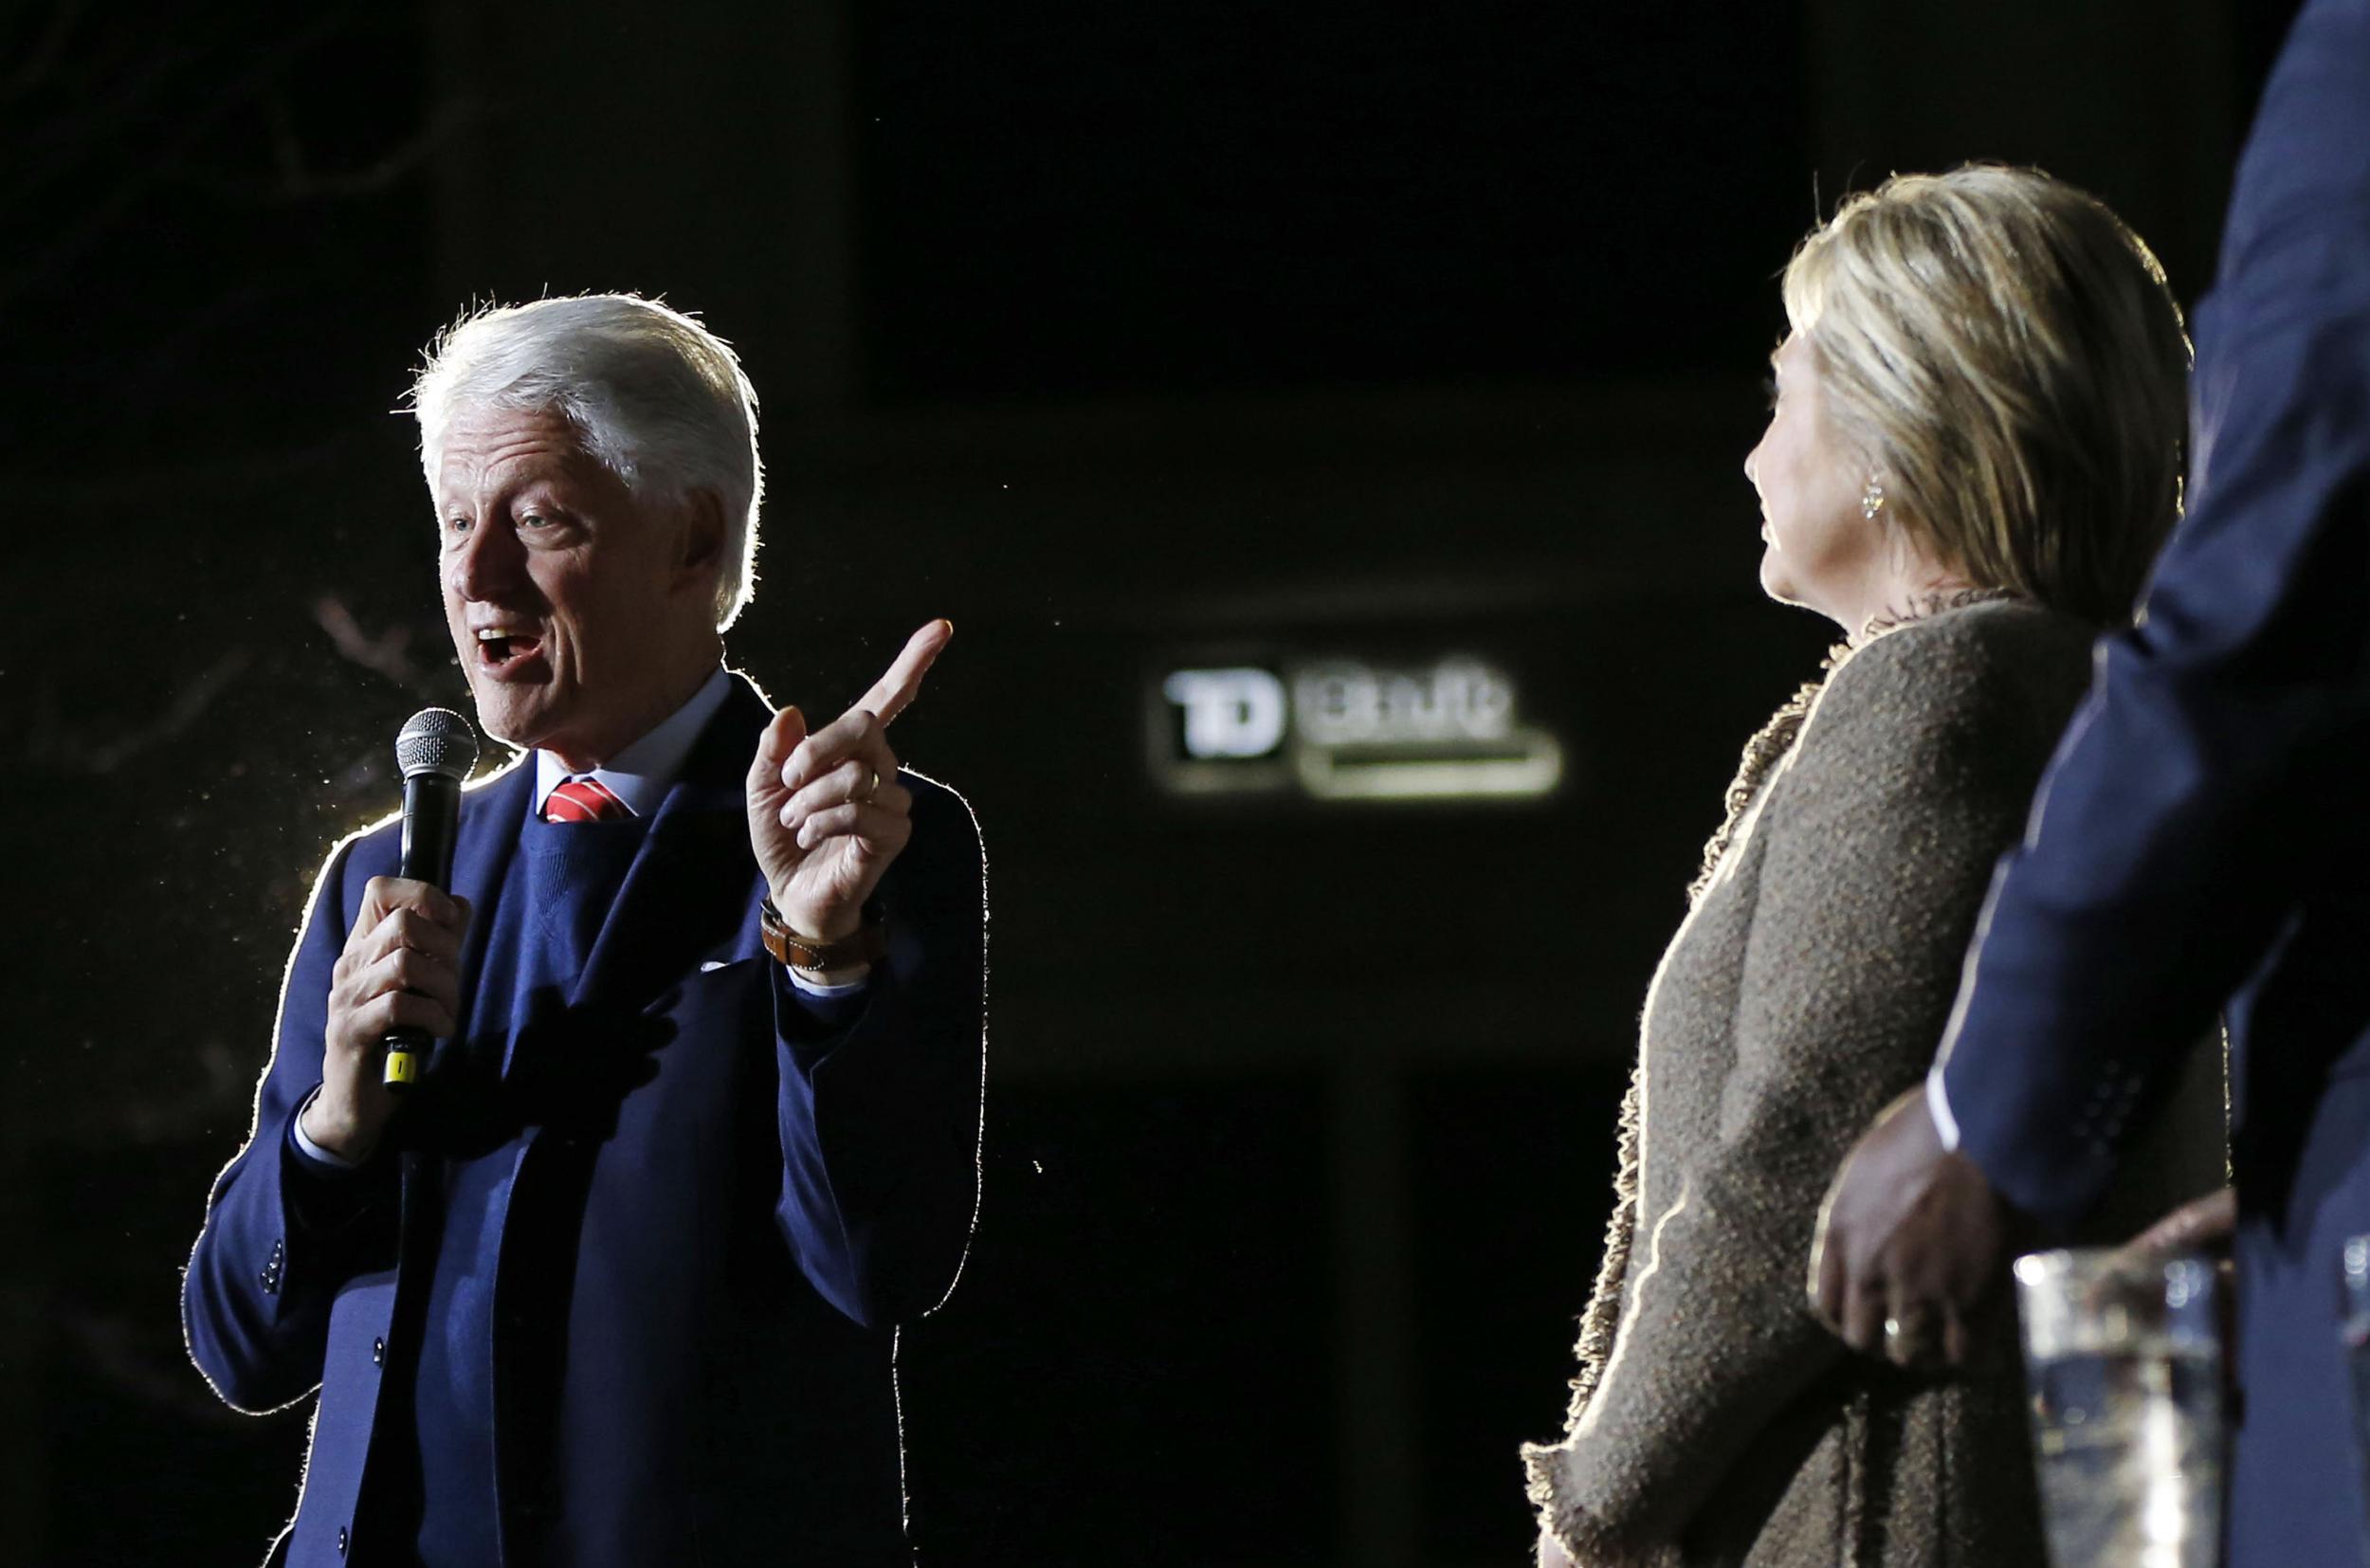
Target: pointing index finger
893 691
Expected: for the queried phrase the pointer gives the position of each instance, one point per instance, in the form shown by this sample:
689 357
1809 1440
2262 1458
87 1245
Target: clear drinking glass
2354 1333
2124 1360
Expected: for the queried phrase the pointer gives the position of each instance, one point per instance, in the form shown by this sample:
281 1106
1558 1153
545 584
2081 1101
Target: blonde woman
1973 454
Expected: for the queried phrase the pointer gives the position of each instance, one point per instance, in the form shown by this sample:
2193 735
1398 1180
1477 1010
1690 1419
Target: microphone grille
436 741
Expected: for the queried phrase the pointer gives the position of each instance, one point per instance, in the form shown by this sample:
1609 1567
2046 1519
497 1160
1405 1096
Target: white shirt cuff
311 1150
843 988
1938 1106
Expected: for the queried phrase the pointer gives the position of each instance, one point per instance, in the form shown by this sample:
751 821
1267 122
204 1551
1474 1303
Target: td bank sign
1349 729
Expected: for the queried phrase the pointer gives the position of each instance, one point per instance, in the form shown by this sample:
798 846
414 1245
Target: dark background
1120 333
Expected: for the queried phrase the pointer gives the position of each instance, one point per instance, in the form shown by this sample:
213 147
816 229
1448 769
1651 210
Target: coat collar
686 891
481 858
667 911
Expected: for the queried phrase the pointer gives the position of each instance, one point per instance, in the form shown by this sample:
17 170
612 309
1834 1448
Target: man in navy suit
617 1282
2199 843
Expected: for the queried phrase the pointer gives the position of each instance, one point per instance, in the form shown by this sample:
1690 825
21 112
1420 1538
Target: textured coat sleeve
280 1238
1913 772
880 1112
2190 804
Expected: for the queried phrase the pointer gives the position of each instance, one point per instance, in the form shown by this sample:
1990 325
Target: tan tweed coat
1714 1421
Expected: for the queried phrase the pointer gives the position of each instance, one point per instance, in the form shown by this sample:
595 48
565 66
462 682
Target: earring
1871 499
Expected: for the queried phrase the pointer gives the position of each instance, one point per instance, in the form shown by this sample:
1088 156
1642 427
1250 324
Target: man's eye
456 525
535 520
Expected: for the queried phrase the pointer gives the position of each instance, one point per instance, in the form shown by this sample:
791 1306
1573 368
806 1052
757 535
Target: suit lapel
481 858
685 892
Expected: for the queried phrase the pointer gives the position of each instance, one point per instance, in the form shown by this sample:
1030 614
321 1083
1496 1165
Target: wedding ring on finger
872 786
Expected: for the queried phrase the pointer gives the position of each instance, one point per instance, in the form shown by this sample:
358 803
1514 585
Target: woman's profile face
1822 550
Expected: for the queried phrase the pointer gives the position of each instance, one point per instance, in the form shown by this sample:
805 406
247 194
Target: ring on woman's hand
872 786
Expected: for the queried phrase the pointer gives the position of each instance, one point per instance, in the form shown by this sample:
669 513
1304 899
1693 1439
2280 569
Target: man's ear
700 542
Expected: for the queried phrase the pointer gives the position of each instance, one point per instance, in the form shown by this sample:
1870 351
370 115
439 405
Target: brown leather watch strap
867 945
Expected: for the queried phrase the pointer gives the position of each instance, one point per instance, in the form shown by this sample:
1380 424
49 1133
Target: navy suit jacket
2200 840
725 1197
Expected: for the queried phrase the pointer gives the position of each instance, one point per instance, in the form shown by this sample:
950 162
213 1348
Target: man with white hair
616 1282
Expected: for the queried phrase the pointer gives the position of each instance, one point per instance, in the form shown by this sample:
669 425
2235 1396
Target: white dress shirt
1938 1106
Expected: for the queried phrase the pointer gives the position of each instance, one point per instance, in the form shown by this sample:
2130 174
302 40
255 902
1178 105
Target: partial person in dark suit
2199 844
619 1281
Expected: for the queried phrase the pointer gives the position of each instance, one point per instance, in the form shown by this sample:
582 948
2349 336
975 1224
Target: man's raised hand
825 812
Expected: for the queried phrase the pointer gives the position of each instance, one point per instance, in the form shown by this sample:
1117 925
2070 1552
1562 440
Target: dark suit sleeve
2181 818
280 1235
880 1096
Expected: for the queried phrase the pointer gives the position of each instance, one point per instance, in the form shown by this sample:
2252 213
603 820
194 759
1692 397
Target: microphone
435 751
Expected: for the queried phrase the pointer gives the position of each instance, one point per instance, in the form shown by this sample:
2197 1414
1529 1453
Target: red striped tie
584 800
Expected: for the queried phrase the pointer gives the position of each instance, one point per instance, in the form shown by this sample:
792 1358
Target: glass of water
2124 1360
2354 1333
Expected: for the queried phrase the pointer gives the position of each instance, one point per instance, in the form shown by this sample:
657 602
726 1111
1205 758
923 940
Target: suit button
378 1353
341 1541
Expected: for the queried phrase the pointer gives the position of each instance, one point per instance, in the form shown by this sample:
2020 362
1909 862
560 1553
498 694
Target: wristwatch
866 944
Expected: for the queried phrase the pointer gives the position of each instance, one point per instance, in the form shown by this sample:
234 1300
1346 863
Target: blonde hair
654 395
2007 356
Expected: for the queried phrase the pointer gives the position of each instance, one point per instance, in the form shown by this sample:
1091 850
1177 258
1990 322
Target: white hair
655 397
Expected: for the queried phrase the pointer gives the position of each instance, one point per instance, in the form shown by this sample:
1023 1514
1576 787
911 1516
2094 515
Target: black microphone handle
431 820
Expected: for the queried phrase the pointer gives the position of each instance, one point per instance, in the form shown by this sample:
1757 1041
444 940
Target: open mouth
498 652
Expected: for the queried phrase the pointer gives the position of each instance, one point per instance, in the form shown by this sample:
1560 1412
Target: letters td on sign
1345 728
